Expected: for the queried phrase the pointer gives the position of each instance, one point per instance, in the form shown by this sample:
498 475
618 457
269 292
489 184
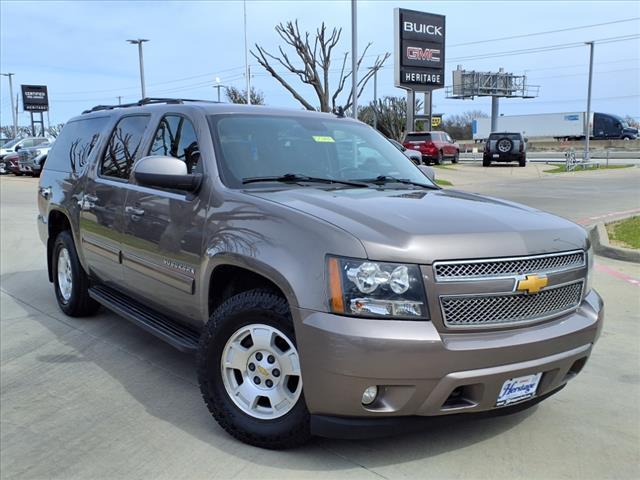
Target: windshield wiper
294 178
384 179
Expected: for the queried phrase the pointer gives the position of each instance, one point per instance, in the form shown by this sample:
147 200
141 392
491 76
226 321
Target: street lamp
14 115
139 42
218 86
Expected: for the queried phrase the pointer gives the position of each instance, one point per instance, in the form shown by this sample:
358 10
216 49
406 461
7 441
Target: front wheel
439 158
249 371
456 157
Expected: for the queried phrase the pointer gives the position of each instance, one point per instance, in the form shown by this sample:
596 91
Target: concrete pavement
99 398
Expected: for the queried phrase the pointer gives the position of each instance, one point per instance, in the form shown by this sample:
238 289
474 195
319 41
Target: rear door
102 204
163 229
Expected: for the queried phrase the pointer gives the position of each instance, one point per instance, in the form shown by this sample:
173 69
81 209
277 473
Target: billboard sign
419 50
35 98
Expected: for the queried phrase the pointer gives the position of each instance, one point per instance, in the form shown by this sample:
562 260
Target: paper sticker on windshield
323 139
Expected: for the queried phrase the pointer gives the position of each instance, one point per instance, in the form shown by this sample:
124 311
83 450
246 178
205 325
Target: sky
79 50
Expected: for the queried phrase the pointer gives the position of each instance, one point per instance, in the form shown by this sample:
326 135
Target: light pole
375 96
354 58
247 73
587 120
14 115
139 42
218 86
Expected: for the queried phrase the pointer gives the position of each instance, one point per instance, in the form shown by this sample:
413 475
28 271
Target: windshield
622 121
11 143
255 146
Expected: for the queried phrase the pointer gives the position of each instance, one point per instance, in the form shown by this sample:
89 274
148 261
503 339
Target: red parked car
11 164
434 146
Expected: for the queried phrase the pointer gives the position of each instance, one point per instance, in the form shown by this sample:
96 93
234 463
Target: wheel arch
57 221
231 274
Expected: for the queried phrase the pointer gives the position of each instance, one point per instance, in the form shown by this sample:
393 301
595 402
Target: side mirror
165 172
428 172
526 140
17 147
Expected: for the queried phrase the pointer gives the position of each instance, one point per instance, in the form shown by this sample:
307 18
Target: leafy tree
459 126
314 56
235 95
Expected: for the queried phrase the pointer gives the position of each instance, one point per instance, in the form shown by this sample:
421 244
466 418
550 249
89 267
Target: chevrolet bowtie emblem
263 370
532 283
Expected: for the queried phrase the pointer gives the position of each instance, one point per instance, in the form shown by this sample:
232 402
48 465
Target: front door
163 229
102 202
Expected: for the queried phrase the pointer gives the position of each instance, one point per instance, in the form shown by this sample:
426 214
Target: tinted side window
176 137
72 148
123 148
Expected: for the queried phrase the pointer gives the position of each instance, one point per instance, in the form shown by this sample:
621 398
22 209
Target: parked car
505 147
10 164
322 293
16 144
433 146
414 156
32 159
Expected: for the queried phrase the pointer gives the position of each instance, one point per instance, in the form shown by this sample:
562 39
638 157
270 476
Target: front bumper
421 371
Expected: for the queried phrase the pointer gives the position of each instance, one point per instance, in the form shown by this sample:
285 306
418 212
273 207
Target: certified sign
35 98
419 50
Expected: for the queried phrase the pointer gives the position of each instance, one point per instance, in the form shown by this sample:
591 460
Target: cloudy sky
79 50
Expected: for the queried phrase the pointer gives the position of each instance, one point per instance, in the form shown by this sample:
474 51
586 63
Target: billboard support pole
587 120
411 110
428 108
495 112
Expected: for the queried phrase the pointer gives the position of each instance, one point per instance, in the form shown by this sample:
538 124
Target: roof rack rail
146 101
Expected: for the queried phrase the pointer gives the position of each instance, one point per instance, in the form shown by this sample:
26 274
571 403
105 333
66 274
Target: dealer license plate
518 389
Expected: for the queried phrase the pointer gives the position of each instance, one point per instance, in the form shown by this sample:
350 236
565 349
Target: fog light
369 395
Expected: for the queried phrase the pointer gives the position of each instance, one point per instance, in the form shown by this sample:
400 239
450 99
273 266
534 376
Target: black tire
456 157
486 162
523 161
507 140
79 304
254 306
438 159
426 161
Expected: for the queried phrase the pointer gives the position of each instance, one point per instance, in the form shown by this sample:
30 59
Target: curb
601 246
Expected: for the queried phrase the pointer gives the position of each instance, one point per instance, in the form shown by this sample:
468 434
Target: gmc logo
426 54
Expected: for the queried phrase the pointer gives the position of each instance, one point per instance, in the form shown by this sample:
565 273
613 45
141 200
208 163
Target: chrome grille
472 269
488 310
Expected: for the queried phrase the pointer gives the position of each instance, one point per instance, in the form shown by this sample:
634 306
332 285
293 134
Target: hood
422 226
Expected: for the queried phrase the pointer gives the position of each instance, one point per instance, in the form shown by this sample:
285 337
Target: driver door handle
134 211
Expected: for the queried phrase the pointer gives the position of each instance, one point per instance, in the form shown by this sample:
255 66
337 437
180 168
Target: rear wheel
486 162
70 281
523 161
249 371
439 158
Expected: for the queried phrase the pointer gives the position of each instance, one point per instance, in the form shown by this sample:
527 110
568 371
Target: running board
175 334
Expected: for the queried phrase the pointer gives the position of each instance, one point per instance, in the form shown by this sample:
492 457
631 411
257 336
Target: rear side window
176 137
123 148
418 137
72 148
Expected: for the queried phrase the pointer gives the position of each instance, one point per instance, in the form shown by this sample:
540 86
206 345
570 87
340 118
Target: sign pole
428 105
411 111
587 120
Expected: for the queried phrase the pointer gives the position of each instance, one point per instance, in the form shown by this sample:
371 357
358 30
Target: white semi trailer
568 125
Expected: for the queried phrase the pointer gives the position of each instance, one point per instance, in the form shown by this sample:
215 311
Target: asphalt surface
99 398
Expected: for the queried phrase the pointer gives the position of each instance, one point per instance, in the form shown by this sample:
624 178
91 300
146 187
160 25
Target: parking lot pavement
99 398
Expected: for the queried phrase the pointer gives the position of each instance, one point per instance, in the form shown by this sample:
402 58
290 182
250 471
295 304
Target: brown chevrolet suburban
325 289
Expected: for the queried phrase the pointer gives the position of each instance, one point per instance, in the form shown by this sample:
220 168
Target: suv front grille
473 269
460 311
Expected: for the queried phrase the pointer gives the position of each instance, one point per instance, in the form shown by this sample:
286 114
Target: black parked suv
505 147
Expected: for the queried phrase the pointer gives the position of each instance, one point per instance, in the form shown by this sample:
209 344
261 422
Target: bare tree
235 95
391 113
459 126
315 56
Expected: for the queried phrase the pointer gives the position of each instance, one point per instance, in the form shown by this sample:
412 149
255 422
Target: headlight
589 283
376 289
37 152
